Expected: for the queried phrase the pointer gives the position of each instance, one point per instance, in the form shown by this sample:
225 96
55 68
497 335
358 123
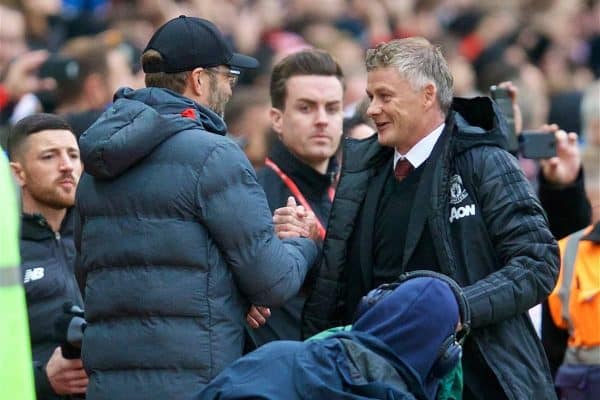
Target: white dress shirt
420 151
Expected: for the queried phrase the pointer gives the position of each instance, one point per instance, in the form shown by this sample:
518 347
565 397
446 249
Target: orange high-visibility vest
575 301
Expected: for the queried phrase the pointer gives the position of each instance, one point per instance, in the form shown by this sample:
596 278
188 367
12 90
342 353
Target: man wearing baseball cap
174 235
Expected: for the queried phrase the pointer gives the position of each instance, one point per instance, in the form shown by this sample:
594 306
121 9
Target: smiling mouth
381 125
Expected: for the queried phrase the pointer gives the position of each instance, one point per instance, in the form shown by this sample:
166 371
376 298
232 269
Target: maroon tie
403 168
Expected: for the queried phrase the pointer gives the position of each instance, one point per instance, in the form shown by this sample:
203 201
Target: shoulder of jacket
480 155
203 142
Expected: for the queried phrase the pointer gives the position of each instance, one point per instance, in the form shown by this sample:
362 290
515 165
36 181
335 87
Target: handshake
290 221
295 221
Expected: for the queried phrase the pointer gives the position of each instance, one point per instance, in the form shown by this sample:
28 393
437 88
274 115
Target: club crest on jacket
457 191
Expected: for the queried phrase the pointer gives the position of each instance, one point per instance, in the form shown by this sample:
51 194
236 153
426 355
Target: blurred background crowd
69 57
549 48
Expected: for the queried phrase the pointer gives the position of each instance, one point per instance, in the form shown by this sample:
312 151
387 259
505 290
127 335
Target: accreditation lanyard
298 195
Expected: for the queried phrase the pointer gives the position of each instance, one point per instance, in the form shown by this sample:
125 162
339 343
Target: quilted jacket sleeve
521 238
234 208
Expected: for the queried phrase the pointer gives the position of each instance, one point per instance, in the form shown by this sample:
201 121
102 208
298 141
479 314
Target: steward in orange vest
575 305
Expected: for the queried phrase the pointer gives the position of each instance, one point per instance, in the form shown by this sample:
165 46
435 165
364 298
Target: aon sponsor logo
461 212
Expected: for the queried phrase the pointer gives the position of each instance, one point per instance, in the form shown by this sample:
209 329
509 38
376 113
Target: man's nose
66 163
373 108
321 117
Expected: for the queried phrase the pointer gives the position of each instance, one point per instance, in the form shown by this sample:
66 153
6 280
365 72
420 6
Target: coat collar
311 183
35 226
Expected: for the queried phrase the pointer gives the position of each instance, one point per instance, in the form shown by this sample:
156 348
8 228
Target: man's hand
513 93
290 221
257 316
66 376
312 226
22 78
564 168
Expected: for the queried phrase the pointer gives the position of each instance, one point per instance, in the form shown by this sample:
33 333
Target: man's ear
196 82
195 85
429 95
276 120
18 173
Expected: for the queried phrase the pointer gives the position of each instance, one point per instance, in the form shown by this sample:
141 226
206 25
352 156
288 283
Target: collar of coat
310 182
36 227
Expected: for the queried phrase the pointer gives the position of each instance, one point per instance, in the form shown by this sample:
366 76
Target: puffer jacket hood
137 122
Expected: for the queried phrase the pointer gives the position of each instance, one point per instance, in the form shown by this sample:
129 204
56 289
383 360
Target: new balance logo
33 274
461 212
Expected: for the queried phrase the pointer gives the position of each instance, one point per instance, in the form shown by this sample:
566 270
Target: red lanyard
297 194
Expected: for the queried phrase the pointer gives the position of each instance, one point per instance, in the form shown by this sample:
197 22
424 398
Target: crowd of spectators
550 49
69 57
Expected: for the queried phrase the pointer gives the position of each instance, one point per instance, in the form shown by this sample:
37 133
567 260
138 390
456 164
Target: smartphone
537 145
504 102
61 68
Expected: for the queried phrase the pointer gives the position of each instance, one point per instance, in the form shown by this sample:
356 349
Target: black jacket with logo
47 262
489 233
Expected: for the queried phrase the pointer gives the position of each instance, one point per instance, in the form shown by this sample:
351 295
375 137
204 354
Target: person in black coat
45 161
435 187
307 94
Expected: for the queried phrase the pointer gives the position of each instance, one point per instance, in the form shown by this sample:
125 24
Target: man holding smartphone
560 181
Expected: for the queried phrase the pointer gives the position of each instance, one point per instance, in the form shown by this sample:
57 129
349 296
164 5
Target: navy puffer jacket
174 236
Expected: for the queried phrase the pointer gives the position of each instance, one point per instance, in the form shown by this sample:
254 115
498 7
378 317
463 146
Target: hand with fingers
513 93
564 168
21 76
312 226
257 316
66 376
290 221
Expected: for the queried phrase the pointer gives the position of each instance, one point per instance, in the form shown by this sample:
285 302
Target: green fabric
329 332
451 386
16 373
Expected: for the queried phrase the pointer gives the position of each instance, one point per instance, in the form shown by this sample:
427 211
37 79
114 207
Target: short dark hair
30 125
91 54
305 62
173 81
